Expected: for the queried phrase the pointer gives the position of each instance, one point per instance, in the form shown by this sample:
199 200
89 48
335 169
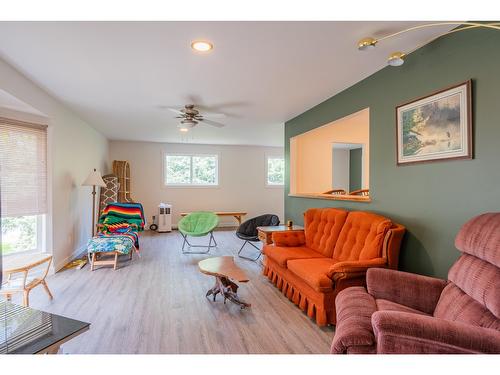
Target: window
196 170
275 171
23 186
22 233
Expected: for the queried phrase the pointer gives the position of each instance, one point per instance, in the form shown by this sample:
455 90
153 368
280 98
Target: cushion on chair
478 279
248 229
121 244
322 228
361 236
354 327
480 237
282 255
457 306
314 272
197 224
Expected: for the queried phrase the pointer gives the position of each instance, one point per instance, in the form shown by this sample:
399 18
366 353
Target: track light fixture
398 58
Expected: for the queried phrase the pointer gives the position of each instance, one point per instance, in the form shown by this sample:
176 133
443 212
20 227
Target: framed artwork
435 127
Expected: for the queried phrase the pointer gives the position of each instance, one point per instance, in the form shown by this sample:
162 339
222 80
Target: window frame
191 184
270 156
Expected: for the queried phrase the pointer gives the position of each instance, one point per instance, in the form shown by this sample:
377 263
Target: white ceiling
120 76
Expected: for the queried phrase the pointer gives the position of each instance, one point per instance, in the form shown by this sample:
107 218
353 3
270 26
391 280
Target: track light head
396 59
366 44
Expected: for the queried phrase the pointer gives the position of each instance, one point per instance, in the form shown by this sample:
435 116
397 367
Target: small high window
275 171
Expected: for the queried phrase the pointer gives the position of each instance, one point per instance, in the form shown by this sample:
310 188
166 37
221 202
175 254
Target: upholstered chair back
473 293
361 237
322 228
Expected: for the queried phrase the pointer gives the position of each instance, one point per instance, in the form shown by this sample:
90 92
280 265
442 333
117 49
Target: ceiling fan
191 116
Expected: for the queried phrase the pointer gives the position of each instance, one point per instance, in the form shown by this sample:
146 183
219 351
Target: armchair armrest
407 333
356 266
416 291
289 238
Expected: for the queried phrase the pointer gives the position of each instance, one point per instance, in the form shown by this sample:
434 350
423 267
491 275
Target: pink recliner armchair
405 313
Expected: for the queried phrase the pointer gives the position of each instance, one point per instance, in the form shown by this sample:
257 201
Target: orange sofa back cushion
361 237
322 228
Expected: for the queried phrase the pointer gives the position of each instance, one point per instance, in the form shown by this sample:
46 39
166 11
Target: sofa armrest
407 333
392 245
415 291
289 238
356 266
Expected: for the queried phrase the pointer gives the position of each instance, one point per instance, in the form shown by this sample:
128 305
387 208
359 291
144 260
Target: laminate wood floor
157 304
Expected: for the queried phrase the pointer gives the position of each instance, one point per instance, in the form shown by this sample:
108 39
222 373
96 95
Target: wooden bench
237 215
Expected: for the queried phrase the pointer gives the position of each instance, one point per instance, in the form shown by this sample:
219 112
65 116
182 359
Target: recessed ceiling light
202 46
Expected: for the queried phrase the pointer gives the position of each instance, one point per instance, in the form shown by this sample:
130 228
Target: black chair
247 231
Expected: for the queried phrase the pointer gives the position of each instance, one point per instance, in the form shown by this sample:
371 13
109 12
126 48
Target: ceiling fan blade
212 123
213 115
175 110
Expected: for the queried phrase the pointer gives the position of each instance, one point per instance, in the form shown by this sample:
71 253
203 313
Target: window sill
339 197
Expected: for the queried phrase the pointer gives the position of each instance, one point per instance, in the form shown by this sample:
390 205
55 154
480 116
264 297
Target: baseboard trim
74 255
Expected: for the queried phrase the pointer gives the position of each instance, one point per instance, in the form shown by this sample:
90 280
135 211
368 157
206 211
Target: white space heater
164 217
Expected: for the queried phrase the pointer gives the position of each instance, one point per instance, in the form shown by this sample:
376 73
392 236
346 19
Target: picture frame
435 127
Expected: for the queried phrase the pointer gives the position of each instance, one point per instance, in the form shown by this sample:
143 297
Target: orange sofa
333 252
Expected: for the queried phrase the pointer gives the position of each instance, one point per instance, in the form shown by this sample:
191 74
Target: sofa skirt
319 306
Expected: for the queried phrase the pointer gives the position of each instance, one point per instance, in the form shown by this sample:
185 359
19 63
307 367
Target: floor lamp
94 179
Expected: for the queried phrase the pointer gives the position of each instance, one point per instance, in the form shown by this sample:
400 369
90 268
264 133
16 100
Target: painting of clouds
435 127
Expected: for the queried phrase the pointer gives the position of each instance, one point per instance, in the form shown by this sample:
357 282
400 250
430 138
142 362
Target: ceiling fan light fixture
186 124
396 59
202 46
366 44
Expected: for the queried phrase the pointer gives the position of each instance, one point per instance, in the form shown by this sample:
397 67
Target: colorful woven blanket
116 216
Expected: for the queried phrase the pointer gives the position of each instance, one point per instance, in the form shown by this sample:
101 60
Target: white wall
242 179
74 148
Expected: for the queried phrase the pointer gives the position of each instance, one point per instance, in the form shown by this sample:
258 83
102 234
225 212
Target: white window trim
266 174
189 185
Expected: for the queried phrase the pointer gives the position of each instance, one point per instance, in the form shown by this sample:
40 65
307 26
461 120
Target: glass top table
24 330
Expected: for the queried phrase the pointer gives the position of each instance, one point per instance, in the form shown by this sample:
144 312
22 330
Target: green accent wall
432 200
355 168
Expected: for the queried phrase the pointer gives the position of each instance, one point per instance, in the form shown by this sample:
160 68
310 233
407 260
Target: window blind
23 168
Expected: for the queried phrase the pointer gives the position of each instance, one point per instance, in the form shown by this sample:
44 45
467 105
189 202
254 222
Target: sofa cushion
386 305
322 228
282 255
354 326
314 272
457 306
361 237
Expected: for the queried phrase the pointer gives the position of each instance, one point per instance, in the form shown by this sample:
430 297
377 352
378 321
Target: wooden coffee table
224 269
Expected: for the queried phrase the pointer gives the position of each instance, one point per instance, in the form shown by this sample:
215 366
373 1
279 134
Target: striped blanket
122 219
119 216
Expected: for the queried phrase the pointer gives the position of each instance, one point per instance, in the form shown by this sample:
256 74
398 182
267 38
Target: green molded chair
198 224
